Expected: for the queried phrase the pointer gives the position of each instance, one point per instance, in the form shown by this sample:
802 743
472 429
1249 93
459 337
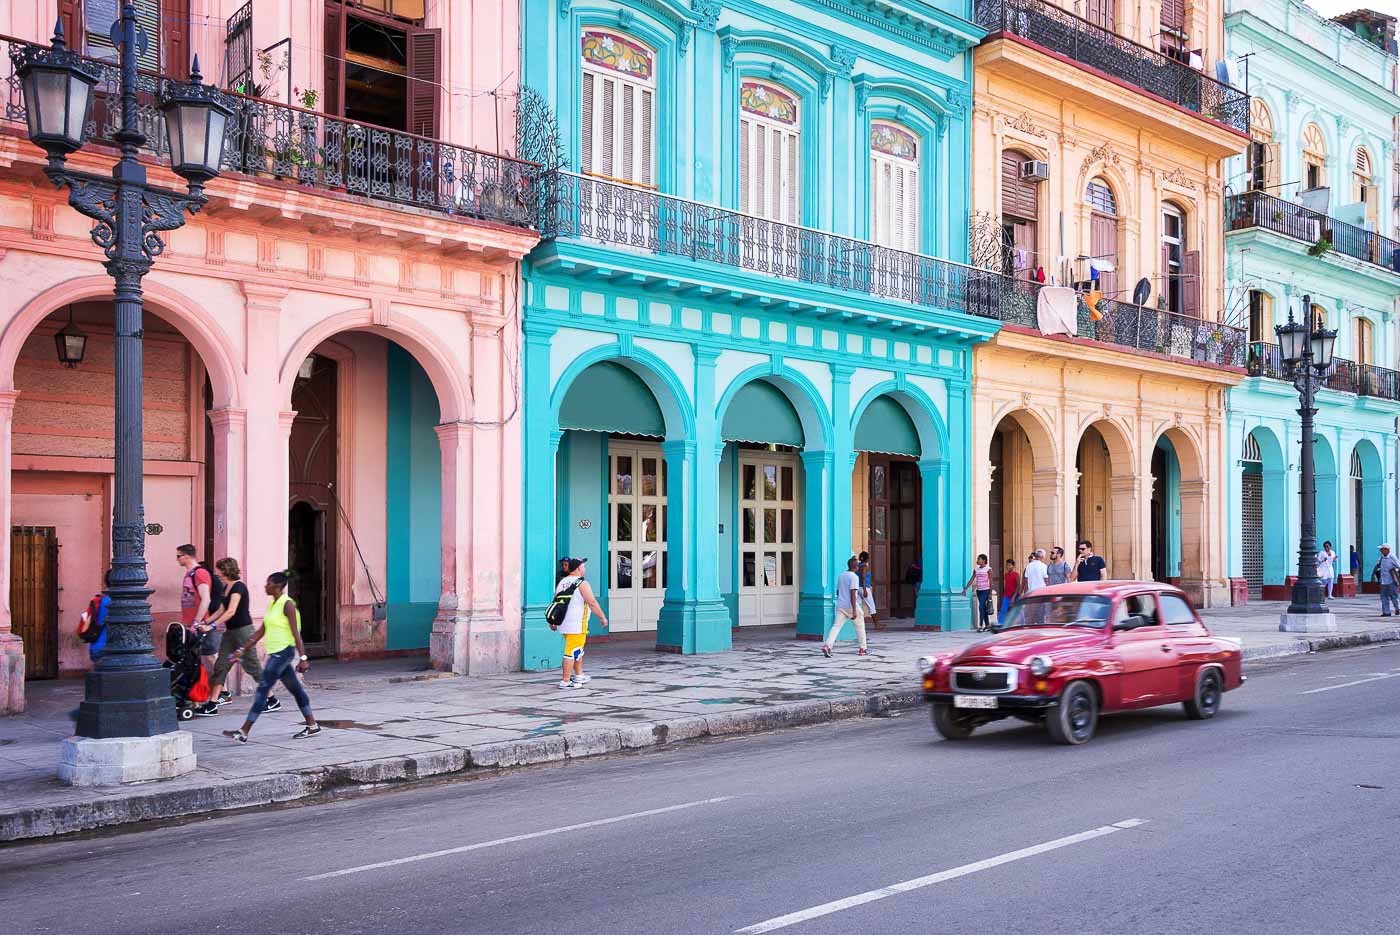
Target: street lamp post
127 695
1307 353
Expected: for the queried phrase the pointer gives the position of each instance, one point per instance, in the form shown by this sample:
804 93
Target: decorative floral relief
619 54
767 101
893 141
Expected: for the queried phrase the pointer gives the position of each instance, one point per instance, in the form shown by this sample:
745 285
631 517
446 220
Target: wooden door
34 597
314 507
1103 247
895 533
1102 13
1019 213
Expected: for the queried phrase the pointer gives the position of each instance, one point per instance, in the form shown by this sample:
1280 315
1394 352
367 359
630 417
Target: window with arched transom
894 186
618 108
1314 157
770 152
1103 233
1263 151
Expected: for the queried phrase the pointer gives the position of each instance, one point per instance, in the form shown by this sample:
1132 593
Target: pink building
332 355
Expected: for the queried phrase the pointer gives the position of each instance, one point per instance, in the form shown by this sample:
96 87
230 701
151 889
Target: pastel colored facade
332 352
735 325
1097 157
1325 106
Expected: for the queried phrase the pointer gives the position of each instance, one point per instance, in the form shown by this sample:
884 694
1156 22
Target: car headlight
1041 666
927 664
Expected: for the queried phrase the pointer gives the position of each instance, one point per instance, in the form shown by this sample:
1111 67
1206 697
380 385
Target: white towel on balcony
1057 310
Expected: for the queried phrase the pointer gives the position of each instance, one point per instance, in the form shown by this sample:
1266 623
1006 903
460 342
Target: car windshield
1059 610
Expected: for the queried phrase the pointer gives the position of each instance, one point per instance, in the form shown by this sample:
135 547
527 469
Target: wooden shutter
333 83
1191 284
1164 284
606 131
70 13
175 38
424 82
894 202
1018 198
1174 15
1102 13
644 142
1103 247
1024 239
745 177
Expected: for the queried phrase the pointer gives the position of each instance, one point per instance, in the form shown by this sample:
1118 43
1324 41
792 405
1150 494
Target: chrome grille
984 680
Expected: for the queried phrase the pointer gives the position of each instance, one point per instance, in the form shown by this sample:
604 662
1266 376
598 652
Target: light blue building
736 299
1310 231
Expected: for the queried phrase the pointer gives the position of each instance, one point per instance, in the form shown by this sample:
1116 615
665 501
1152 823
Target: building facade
332 358
1311 234
1097 165
742 360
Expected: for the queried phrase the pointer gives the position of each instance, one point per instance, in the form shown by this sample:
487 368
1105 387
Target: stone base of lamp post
1308 623
89 761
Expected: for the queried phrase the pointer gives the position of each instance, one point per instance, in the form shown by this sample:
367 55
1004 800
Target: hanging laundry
1057 310
1040 274
1093 272
1023 259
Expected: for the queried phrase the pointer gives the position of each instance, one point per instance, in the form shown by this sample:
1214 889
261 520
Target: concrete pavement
1278 816
393 721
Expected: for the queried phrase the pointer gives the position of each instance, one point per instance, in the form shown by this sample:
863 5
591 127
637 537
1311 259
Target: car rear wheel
1206 701
1074 719
950 724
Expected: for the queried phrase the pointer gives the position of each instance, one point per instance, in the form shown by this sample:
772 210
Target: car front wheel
1206 701
1074 719
950 724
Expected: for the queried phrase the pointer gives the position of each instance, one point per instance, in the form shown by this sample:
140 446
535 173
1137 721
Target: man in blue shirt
1091 567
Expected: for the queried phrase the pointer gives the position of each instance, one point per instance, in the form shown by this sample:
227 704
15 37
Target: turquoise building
1310 232
742 358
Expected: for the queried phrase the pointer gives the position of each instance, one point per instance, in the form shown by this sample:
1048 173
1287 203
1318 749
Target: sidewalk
395 720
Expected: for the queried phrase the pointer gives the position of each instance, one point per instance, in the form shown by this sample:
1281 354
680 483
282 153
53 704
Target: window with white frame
894 186
617 108
770 152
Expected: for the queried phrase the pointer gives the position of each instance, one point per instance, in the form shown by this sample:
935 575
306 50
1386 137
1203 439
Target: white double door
769 502
636 535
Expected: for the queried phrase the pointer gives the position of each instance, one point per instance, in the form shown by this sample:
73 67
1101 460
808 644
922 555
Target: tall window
1020 208
1181 267
1314 157
165 22
1319 317
1102 13
770 153
1365 349
1261 317
1361 188
894 186
1103 234
382 66
1263 158
1173 34
618 101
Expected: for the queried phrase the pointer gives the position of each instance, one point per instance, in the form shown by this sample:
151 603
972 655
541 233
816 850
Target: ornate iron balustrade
621 216
268 139
1265 360
1103 50
1260 209
1344 376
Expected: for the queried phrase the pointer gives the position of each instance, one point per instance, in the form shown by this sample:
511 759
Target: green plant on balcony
1321 247
1278 216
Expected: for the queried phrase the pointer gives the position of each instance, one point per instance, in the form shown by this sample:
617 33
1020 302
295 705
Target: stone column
932 608
1126 525
266 430
816 603
1195 572
11 646
1047 516
541 648
229 463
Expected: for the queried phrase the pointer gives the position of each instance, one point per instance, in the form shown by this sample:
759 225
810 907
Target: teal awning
761 413
608 397
886 428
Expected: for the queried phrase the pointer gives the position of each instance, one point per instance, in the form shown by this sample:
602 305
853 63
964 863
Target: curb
1321 644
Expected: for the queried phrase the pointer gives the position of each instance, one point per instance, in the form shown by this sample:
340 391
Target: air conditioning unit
1035 171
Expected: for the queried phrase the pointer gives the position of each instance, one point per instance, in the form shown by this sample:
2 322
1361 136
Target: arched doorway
1367 502
1165 518
1107 497
1328 483
1024 496
887 492
1263 511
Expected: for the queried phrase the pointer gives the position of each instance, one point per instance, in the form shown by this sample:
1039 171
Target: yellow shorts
573 644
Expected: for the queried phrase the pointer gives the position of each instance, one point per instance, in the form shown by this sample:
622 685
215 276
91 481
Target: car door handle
1166 648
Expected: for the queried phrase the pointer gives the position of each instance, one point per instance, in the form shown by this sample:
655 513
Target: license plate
973 701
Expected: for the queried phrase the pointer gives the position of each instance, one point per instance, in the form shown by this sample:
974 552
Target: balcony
324 153
604 213
1259 209
1044 26
1344 376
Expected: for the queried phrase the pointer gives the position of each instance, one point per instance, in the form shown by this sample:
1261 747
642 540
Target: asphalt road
1281 815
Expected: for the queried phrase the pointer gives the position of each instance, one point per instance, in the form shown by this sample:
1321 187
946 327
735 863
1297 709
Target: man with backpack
573 606
92 625
201 597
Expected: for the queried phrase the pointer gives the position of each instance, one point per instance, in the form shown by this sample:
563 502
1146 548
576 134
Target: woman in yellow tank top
286 656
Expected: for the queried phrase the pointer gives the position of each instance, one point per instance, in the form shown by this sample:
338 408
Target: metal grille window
617 98
238 49
894 187
1252 524
770 151
1100 197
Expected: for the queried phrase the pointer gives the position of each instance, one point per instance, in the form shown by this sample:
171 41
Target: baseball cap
575 562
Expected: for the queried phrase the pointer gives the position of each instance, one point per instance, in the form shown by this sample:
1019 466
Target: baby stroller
189 685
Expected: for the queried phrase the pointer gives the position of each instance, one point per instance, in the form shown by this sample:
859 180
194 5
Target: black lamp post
1307 353
128 693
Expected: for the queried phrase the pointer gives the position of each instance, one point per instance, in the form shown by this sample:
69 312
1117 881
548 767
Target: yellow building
1091 152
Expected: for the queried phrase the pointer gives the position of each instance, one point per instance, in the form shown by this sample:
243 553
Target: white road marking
516 838
895 889
1328 688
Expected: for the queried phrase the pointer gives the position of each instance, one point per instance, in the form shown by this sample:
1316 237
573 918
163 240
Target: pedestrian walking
561 571
1387 572
92 625
1355 566
1010 588
981 581
867 587
1058 571
583 607
237 621
1327 567
849 608
286 656
1090 567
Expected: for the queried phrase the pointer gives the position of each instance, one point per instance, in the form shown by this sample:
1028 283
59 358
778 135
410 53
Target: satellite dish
1141 291
1222 71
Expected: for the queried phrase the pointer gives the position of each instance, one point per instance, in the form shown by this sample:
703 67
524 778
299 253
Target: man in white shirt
848 608
1034 578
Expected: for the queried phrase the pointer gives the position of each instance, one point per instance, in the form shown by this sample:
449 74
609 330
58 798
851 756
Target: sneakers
567 683
273 704
237 736
223 699
307 732
826 651
208 709
862 652
581 679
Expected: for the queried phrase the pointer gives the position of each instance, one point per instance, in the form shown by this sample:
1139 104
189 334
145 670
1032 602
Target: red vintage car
1071 652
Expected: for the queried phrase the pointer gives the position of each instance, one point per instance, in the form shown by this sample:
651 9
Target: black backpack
558 608
216 593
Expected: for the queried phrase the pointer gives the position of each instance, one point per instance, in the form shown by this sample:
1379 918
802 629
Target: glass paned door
768 541
636 536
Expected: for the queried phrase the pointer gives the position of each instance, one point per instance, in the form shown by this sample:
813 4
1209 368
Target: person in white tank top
583 606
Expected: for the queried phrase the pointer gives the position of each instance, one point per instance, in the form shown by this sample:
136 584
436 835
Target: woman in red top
1010 581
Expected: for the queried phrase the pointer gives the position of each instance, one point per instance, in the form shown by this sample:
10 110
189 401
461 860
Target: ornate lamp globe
57 88
195 119
1292 341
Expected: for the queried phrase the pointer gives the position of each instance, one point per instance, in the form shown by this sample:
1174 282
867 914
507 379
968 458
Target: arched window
894 186
1263 154
770 152
1019 216
1103 234
1314 157
617 98
1181 266
1361 188
1364 350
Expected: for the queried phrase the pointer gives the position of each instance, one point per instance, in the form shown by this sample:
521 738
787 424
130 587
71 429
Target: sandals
307 732
237 736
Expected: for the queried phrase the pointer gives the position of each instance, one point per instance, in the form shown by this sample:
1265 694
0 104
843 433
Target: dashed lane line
1329 688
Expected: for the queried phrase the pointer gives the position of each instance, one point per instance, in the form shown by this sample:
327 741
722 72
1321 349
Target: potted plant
1323 244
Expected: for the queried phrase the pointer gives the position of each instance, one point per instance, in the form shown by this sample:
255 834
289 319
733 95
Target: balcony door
1102 13
1103 235
770 153
1019 216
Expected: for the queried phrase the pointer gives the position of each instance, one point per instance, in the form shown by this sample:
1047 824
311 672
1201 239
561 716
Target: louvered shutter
1191 284
1174 15
424 81
175 35
70 13
1018 198
617 121
791 180
745 137
894 202
770 166
644 175
333 83
100 15
607 129
586 98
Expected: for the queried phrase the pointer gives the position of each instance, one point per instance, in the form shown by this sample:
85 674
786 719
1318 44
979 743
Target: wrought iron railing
1103 50
268 139
630 218
1344 376
1260 209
